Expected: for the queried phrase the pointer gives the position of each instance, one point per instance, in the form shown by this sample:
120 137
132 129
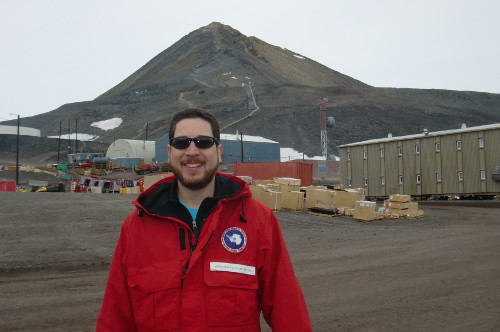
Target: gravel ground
437 273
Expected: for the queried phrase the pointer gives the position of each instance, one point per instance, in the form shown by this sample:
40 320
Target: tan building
450 162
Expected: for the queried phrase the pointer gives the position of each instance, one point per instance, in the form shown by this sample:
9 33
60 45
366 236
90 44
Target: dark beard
194 184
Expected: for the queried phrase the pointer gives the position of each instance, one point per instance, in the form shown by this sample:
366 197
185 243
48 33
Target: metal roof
428 134
246 138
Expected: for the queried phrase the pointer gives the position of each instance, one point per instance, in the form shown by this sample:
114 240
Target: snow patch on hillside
108 124
80 136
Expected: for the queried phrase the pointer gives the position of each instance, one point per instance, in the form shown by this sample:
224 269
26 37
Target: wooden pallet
362 220
324 212
290 210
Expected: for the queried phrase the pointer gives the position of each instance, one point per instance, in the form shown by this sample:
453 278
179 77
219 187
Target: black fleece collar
164 201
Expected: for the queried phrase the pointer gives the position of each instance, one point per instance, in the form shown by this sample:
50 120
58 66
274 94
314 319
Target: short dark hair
193 113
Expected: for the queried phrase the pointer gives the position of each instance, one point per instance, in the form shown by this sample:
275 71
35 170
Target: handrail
257 108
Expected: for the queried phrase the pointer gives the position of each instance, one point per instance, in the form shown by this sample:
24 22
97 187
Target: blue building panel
251 151
161 153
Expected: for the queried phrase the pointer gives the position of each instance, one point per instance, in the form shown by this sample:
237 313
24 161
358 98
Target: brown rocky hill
219 69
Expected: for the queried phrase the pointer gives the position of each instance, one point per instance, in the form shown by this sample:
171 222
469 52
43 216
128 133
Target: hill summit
263 90
218 56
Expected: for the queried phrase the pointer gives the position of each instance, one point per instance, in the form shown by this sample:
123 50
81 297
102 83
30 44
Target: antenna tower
322 117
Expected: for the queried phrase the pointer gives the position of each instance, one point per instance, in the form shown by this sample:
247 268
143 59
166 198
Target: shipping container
7 185
270 170
323 169
82 157
127 163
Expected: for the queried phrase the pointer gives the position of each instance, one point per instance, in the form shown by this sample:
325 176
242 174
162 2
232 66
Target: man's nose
192 148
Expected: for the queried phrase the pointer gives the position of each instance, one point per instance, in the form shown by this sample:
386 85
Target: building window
400 151
366 181
417 149
365 154
481 142
382 153
400 179
419 179
438 146
460 176
459 145
349 182
483 174
348 156
382 180
438 177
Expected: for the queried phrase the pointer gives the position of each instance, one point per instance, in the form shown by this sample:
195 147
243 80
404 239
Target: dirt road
437 273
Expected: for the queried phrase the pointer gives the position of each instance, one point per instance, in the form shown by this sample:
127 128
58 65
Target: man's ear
168 152
219 153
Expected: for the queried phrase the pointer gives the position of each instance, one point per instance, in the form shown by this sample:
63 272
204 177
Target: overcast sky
58 51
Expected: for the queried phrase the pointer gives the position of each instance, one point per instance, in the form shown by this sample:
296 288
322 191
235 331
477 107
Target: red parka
164 278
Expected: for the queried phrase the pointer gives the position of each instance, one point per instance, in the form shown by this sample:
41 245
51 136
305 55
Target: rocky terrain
220 69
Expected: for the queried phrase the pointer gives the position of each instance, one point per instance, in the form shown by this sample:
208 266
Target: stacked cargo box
401 206
365 211
340 199
320 200
286 194
279 193
267 195
292 200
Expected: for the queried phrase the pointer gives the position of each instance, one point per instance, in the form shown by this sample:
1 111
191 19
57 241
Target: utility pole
69 137
76 135
59 141
17 149
17 153
324 137
241 141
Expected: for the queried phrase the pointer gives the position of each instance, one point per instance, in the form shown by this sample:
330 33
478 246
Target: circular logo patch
234 239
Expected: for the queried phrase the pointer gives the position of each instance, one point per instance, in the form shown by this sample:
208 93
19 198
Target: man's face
194 167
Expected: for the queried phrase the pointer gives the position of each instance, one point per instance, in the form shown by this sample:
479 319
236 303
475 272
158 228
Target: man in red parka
199 253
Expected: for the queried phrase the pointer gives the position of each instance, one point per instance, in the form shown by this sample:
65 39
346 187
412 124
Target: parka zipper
195 229
192 245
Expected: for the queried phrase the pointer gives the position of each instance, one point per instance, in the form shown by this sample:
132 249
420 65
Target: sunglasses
201 142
